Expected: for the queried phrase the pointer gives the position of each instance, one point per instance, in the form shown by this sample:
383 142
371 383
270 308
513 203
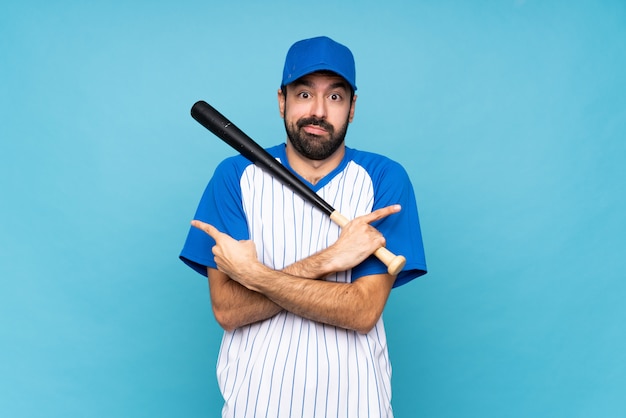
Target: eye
335 97
304 95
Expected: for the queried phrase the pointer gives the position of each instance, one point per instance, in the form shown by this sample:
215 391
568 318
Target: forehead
321 79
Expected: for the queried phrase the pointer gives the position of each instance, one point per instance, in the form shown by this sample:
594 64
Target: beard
315 147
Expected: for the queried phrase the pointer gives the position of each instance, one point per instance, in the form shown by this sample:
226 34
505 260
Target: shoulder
235 165
377 165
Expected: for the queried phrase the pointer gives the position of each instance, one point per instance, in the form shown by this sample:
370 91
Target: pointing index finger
208 228
382 213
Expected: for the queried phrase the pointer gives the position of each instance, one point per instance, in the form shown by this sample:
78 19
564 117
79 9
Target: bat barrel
214 121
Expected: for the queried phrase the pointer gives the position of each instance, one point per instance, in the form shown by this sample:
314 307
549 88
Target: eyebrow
303 81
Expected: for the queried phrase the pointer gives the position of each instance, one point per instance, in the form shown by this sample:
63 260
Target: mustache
315 121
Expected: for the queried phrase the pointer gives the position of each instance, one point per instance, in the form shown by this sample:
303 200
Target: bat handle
394 263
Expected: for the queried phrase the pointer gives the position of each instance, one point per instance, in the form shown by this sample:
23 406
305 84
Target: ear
281 103
352 107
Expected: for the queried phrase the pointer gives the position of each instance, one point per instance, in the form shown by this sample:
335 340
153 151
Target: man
300 299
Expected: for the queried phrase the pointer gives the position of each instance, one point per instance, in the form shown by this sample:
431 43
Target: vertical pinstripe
288 366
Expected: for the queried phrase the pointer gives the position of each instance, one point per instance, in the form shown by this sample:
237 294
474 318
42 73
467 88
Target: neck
313 170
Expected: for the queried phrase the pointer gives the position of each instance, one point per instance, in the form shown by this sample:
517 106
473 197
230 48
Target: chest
286 228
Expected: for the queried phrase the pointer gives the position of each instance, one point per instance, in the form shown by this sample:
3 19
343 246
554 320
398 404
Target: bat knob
396 265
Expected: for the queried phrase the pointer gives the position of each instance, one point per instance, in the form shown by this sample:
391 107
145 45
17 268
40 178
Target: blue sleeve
220 206
401 230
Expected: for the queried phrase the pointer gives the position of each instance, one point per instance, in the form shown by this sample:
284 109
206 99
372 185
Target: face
317 110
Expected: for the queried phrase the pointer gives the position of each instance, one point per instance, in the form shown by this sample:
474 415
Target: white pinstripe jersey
288 366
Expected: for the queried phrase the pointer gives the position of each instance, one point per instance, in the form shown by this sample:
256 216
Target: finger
208 228
381 213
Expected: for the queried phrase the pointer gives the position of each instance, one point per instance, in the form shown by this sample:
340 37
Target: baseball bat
224 129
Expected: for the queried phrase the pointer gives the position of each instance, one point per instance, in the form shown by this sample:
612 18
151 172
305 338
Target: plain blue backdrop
509 115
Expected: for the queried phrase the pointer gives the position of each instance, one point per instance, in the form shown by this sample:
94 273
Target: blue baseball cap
318 54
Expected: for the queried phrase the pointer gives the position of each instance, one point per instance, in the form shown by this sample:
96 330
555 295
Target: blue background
510 117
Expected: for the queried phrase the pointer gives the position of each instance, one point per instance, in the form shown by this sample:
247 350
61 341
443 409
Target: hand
232 257
358 239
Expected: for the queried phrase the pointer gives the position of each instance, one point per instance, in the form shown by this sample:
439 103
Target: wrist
253 276
314 267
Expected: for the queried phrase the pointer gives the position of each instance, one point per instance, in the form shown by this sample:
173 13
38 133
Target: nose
318 107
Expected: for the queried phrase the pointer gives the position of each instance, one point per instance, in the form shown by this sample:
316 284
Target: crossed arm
244 291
